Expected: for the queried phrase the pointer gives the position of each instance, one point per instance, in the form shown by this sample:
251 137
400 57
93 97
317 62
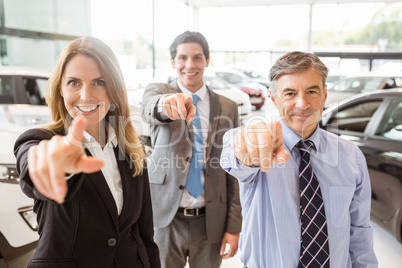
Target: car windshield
214 82
358 84
6 90
332 78
231 77
253 75
391 123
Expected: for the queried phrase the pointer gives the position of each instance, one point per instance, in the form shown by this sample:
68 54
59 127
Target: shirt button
181 187
112 242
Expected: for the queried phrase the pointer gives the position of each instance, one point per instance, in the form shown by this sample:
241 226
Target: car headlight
29 217
9 174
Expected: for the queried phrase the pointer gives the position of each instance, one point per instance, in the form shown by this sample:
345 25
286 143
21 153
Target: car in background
215 83
373 121
22 105
332 79
22 96
221 87
353 85
256 77
257 92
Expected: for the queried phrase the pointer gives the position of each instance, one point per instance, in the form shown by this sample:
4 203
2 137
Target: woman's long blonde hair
118 116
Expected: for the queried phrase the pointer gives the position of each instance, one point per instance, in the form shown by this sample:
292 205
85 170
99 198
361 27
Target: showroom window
48 16
33 33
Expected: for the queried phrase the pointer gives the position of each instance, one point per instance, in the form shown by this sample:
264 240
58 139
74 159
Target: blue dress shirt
270 202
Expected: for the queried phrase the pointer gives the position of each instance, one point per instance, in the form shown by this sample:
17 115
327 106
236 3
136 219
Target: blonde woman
85 171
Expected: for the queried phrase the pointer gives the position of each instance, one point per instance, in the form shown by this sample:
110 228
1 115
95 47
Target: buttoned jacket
86 230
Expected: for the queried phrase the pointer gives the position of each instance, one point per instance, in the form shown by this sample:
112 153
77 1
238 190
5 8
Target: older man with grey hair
305 193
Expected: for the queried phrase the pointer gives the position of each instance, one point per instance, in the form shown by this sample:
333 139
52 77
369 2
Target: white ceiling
234 3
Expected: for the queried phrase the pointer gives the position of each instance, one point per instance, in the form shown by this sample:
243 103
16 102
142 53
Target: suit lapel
99 182
175 86
129 189
214 113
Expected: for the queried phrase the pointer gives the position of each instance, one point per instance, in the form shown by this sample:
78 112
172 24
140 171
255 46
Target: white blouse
110 170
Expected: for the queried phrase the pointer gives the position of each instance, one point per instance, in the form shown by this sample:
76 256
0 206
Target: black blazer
86 231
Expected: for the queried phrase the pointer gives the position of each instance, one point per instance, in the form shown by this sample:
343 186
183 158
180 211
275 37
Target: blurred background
249 35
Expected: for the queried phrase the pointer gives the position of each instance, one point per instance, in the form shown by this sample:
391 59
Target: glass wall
242 36
50 16
34 32
36 53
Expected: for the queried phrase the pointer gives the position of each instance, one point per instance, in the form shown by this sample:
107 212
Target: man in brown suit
194 223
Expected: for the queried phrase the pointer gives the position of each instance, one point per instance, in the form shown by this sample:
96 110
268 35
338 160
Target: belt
190 212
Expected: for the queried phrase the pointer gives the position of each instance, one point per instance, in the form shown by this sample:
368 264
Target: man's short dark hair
189 37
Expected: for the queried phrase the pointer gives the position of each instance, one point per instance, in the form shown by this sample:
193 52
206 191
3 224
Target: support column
310 30
196 18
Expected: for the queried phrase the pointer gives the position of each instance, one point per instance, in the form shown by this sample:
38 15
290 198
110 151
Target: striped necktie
314 251
194 185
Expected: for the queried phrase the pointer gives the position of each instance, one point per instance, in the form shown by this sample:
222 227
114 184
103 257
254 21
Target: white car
221 87
215 83
22 96
258 93
350 86
22 92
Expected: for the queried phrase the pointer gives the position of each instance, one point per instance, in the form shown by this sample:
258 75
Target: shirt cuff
228 160
161 113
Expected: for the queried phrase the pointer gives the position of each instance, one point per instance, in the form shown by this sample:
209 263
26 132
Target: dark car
347 87
373 121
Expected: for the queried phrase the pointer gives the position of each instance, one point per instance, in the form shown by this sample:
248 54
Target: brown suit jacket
169 164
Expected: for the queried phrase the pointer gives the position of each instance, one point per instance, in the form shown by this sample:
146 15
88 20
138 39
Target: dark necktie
314 250
194 185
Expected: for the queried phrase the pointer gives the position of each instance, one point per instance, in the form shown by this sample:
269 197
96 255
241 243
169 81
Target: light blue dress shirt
270 201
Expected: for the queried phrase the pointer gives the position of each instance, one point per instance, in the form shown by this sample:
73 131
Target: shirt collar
202 92
111 138
290 138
